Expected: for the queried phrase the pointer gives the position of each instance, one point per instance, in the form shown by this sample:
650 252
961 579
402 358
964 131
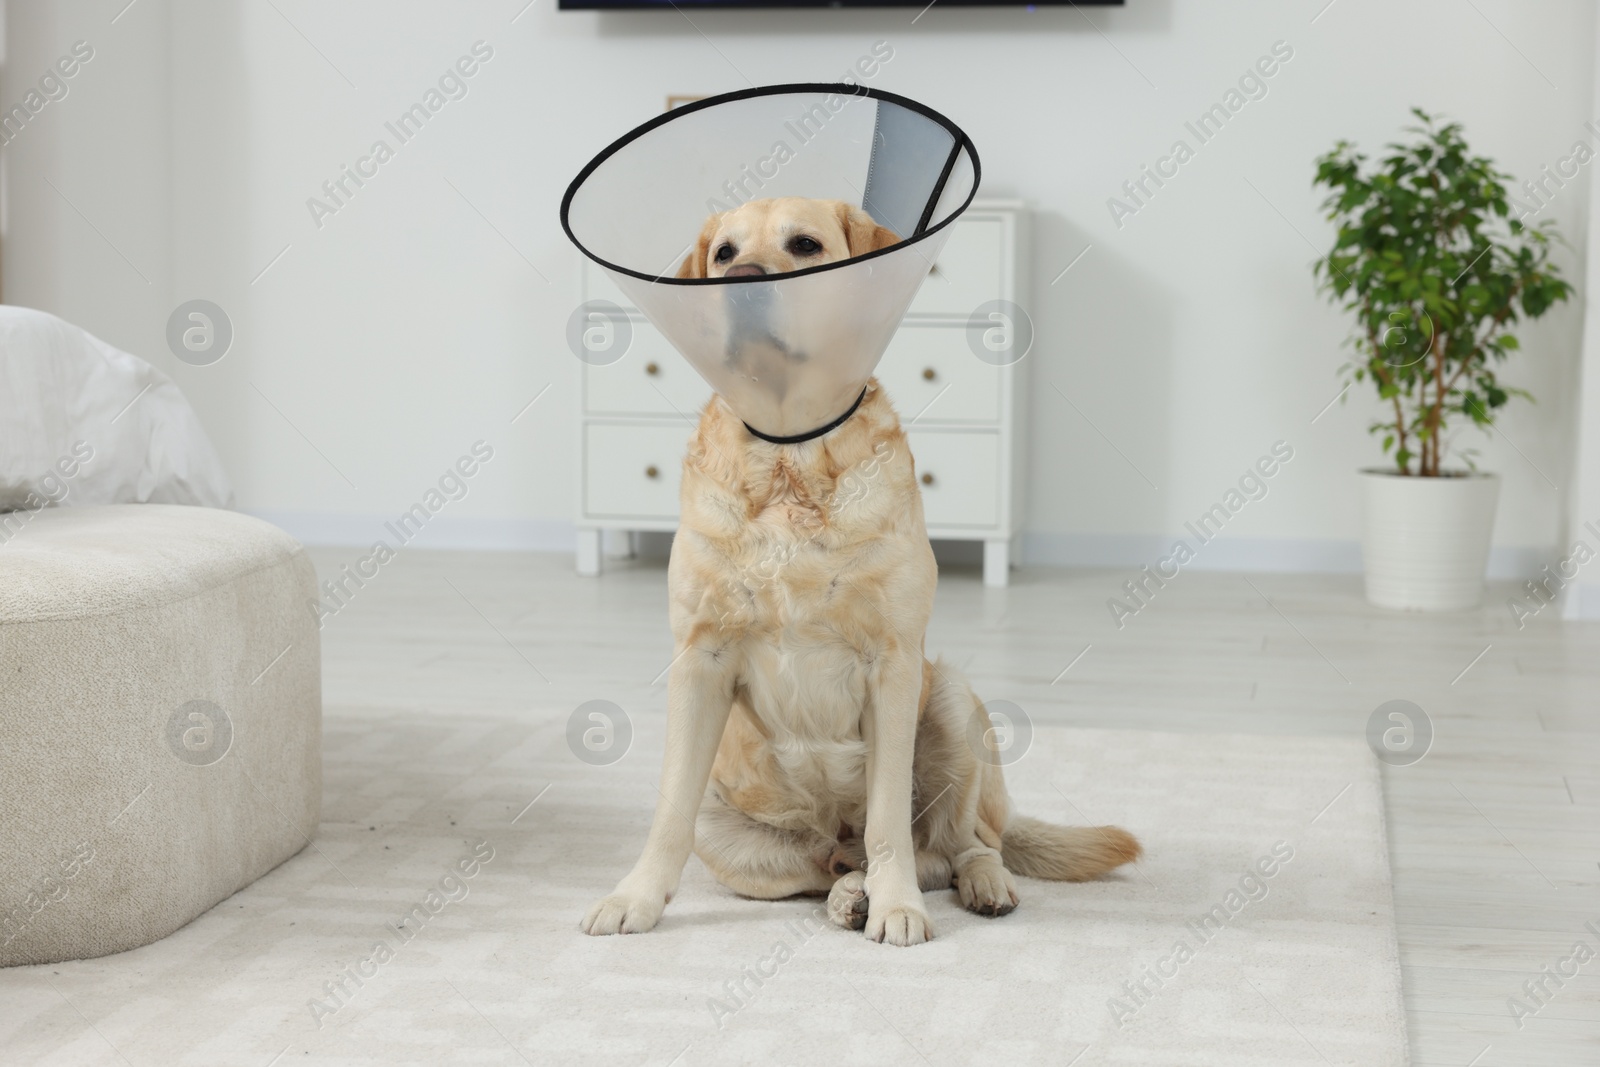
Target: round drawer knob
652 472
927 479
652 369
928 374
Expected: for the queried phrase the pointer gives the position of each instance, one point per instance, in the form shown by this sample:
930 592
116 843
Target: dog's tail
1040 849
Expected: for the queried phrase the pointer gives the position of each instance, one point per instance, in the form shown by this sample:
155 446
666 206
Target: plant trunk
1399 412
1436 413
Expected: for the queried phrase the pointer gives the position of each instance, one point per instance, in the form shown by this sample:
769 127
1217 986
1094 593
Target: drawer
967 272
959 475
617 482
650 379
932 376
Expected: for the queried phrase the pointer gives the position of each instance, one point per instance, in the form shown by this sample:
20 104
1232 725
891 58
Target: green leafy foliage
1437 275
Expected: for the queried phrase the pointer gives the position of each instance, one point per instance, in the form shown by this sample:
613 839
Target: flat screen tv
702 5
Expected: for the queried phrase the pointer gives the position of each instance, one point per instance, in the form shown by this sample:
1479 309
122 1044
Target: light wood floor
1494 836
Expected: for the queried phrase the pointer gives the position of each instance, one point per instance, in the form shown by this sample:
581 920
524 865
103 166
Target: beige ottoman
160 720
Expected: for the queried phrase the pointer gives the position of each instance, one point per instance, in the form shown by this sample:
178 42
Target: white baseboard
1264 554
442 531
1221 554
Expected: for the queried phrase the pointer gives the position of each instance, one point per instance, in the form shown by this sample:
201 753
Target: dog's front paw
901 924
623 913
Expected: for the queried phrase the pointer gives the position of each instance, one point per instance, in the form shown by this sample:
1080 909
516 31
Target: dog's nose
746 270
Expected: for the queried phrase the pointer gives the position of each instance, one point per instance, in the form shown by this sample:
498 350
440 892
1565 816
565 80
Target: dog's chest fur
798 562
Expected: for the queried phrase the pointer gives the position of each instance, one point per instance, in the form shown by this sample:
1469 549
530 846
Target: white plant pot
1425 541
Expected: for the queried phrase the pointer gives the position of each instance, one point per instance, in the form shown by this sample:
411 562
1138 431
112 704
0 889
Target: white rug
1302 971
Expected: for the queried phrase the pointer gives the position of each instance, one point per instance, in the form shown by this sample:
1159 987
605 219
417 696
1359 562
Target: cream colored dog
840 760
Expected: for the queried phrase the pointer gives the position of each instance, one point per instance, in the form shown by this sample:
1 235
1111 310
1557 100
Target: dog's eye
805 246
724 253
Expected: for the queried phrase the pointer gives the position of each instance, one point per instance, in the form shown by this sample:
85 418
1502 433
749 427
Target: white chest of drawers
965 417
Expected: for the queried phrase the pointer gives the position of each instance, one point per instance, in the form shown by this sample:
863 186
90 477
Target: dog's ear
694 264
862 234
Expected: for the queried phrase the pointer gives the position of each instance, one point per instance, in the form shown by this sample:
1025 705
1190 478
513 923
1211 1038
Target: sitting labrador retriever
811 746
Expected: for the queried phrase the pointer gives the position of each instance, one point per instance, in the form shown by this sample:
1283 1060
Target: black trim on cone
812 435
938 188
962 141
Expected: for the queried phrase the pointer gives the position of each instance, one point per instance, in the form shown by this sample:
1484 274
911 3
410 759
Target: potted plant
1436 274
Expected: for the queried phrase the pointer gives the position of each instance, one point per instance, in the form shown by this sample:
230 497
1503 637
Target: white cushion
65 394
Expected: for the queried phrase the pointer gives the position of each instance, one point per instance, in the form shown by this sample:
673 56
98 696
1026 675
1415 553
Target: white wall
379 347
105 147
1577 558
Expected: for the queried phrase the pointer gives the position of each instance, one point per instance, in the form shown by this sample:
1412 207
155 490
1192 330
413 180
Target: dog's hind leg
967 809
847 901
758 860
933 868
